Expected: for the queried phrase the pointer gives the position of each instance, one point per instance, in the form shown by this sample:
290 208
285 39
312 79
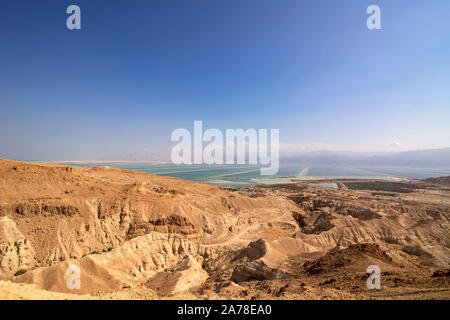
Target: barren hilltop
136 235
439 180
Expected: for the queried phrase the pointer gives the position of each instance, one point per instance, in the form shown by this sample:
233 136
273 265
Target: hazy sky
140 69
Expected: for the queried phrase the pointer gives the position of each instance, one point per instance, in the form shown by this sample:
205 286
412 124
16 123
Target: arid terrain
136 235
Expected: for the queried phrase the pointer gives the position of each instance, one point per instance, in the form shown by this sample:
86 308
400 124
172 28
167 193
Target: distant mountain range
418 158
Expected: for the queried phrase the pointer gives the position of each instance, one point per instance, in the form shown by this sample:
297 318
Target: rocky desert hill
440 180
142 236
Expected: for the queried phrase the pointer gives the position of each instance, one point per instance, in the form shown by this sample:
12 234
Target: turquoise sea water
246 175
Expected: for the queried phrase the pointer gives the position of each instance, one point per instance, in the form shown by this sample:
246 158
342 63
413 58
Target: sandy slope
19 291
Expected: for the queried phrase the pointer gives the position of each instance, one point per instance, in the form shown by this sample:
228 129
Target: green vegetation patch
383 194
381 186
20 272
282 186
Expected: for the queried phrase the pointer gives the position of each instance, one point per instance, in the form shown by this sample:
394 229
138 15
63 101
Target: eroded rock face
122 228
319 222
39 208
358 212
244 265
16 252
255 250
337 258
131 264
314 223
69 212
256 270
187 273
172 224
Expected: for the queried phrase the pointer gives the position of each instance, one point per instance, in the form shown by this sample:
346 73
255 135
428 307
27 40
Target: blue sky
140 69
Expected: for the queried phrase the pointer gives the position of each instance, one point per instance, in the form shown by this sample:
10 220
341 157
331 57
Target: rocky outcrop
337 258
186 274
131 264
358 212
16 252
256 270
246 264
318 222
